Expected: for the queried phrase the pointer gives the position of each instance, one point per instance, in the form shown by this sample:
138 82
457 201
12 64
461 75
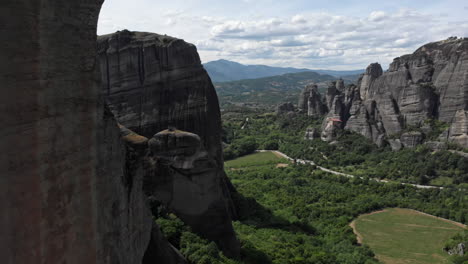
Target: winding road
310 162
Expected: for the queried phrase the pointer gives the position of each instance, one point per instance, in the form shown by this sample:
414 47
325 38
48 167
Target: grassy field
256 159
401 236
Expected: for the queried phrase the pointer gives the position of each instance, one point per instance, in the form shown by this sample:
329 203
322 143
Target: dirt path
277 154
358 236
280 154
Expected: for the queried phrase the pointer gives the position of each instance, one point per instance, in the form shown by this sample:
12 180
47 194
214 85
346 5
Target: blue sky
340 35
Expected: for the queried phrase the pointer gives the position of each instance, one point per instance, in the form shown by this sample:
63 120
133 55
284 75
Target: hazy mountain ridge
225 71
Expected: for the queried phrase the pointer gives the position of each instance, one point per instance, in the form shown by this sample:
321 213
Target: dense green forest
301 215
352 154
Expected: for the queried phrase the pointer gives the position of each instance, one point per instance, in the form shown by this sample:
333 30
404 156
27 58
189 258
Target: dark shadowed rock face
185 178
431 83
71 185
153 82
67 192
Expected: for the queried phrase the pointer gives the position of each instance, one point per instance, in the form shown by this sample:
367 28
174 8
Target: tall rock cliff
62 189
156 86
72 182
310 101
430 84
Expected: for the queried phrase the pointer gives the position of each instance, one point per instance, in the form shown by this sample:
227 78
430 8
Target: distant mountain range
225 71
268 92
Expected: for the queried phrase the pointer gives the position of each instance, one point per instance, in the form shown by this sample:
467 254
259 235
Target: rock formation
154 82
431 83
310 101
71 189
458 131
373 72
62 191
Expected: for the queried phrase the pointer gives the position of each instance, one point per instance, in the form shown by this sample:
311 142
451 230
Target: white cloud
311 39
323 40
298 19
377 16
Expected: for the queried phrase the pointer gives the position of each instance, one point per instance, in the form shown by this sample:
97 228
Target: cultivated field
401 236
256 159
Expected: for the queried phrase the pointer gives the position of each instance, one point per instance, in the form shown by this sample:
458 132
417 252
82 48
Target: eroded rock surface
310 101
154 82
65 194
71 189
431 83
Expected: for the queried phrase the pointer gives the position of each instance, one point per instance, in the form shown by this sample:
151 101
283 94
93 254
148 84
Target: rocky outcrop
187 180
459 249
458 131
136 167
310 101
373 72
430 84
152 83
395 144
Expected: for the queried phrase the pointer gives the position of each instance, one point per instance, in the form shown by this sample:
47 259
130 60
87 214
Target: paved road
309 162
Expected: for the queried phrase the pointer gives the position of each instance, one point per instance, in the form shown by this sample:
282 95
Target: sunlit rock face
431 83
154 82
311 102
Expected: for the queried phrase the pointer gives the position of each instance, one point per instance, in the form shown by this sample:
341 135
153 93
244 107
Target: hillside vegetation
299 215
269 91
353 154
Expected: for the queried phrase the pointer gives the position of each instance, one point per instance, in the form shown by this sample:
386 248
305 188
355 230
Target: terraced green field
400 236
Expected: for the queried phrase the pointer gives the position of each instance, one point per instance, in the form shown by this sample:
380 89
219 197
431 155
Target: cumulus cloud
377 16
324 40
298 19
313 40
